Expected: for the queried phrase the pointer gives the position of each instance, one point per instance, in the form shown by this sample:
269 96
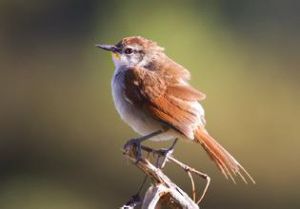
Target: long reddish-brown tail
228 165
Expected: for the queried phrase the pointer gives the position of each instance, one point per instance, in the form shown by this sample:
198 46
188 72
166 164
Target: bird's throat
116 56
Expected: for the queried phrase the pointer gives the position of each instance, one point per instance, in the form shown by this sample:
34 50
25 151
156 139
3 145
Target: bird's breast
132 114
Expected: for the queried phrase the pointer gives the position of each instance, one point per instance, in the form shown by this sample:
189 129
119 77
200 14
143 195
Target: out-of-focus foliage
60 136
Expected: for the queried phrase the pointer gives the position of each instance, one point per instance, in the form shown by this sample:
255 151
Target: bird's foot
162 158
164 154
168 151
136 145
165 151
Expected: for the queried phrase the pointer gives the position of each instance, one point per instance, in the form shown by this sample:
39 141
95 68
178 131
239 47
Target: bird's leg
136 143
136 198
165 152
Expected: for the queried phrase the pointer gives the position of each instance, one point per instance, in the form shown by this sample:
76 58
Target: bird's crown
143 43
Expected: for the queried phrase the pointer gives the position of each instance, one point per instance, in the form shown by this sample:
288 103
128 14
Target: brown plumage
156 93
228 165
166 102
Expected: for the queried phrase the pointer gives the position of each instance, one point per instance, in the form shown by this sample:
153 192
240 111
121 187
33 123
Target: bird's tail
228 165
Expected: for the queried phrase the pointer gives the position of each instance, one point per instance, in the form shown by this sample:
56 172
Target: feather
161 101
185 92
228 165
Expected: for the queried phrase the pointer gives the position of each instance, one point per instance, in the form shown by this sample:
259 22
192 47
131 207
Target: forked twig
166 187
193 185
188 168
163 190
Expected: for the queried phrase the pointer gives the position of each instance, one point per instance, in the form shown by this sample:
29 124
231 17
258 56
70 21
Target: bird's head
134 51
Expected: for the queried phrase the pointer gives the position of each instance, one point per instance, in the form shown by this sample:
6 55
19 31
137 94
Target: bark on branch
164 191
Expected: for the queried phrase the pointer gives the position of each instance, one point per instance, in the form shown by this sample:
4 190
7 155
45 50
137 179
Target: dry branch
164 191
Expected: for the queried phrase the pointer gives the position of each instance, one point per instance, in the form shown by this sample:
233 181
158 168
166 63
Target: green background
61 138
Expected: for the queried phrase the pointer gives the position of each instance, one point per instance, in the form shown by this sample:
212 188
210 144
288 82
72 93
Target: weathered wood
163 191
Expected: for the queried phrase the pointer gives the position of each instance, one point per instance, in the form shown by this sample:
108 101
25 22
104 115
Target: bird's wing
170 103
185 92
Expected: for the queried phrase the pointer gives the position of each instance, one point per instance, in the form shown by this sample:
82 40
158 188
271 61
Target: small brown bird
152 94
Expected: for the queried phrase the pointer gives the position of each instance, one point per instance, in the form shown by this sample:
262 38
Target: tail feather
227 164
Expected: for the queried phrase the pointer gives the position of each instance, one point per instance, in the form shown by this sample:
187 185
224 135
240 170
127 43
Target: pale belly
140 122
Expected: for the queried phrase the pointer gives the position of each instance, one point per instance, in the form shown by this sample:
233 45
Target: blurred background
61 138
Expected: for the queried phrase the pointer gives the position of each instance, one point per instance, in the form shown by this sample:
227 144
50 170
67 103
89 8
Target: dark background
61 138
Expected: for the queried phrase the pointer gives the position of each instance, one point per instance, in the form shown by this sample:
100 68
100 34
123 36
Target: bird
152 94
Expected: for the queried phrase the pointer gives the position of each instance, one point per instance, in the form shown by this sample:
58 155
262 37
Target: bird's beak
106 47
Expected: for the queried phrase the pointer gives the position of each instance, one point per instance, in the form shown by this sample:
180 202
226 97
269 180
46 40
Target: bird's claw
163 157
136 144
165 152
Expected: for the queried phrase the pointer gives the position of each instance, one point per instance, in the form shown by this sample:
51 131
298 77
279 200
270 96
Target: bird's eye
128 51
